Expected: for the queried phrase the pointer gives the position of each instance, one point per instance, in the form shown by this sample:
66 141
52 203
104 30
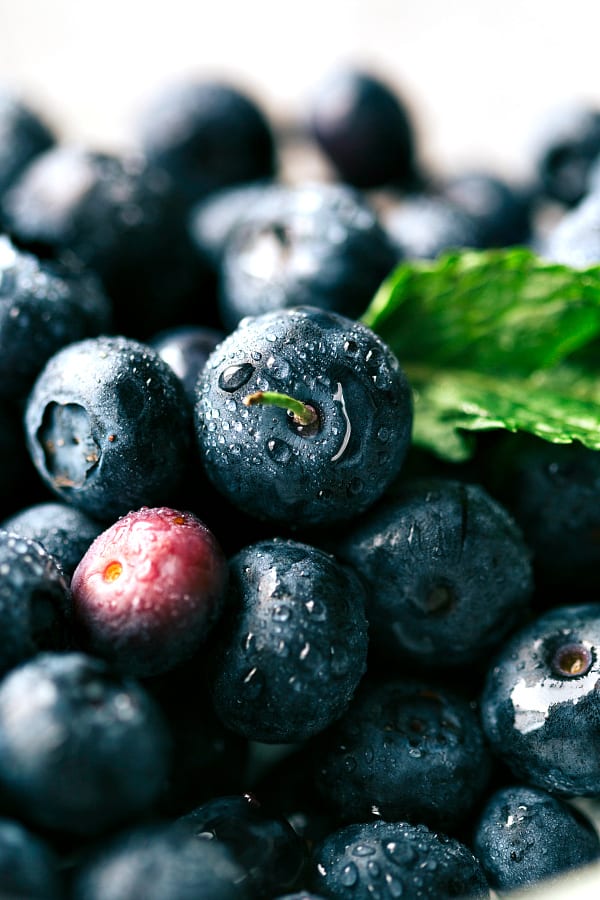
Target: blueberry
148 590
314 244
364 129
28 868
64 531
264 844
423 226
293 645
23 135
553 492
404 750
448 574
301 895
540 704
565 146
42 308
107 426
35 605
186 349
524 835
396 860
120 217
81 750
355 402
160 862
501 211
208 135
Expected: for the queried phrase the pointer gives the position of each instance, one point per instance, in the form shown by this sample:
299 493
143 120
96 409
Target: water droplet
356 486
394 886
234 377
278 450
384 435
281 613
340 659
349 764
253 684
373 869
415 752
351 346
363 850
401 854
349 875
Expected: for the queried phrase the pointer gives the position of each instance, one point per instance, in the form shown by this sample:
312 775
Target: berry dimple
149 588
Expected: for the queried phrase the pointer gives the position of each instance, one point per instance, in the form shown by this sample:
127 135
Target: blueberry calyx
303 416
572 660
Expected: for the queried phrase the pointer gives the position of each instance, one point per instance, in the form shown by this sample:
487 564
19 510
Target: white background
477 75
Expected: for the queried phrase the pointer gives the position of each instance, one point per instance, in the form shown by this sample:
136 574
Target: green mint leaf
485 338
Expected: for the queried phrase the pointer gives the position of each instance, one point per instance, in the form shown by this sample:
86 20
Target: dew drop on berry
349 875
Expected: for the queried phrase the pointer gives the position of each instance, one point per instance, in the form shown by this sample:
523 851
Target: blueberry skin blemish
541 703
107 426
268 465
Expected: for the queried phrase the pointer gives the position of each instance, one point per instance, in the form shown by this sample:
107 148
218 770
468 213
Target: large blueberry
404 750
447 571
294 645
107 426
334 457
541 703
23 134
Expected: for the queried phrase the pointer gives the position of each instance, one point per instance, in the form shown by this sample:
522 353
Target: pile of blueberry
255 644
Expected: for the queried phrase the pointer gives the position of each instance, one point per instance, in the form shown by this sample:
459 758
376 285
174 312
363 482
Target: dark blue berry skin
208 135
42 307
316 244
565 147
186 349
160 862
524 835
502 212
23 135
541 705
277 471
397 860
120 217
553 492
81 750
364 129
575 239
263 843
404 750
108 426
302 895
293 642
35 605
28 868
447 573
64 531
423 226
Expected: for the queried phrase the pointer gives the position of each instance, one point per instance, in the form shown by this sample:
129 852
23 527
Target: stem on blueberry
302 414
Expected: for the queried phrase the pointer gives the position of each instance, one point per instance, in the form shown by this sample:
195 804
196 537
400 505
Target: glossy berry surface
148 590
186 350
107 426
397 860
160 862
208 135
525 835
447 572
501 211
313 244
64 531
540 704
405 751
81 750
28 868
35 605
364 129
293 643
264 844
275 469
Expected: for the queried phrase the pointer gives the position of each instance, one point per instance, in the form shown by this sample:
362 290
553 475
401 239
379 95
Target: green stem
301 413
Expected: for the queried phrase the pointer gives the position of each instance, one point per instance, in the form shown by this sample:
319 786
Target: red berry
148 590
